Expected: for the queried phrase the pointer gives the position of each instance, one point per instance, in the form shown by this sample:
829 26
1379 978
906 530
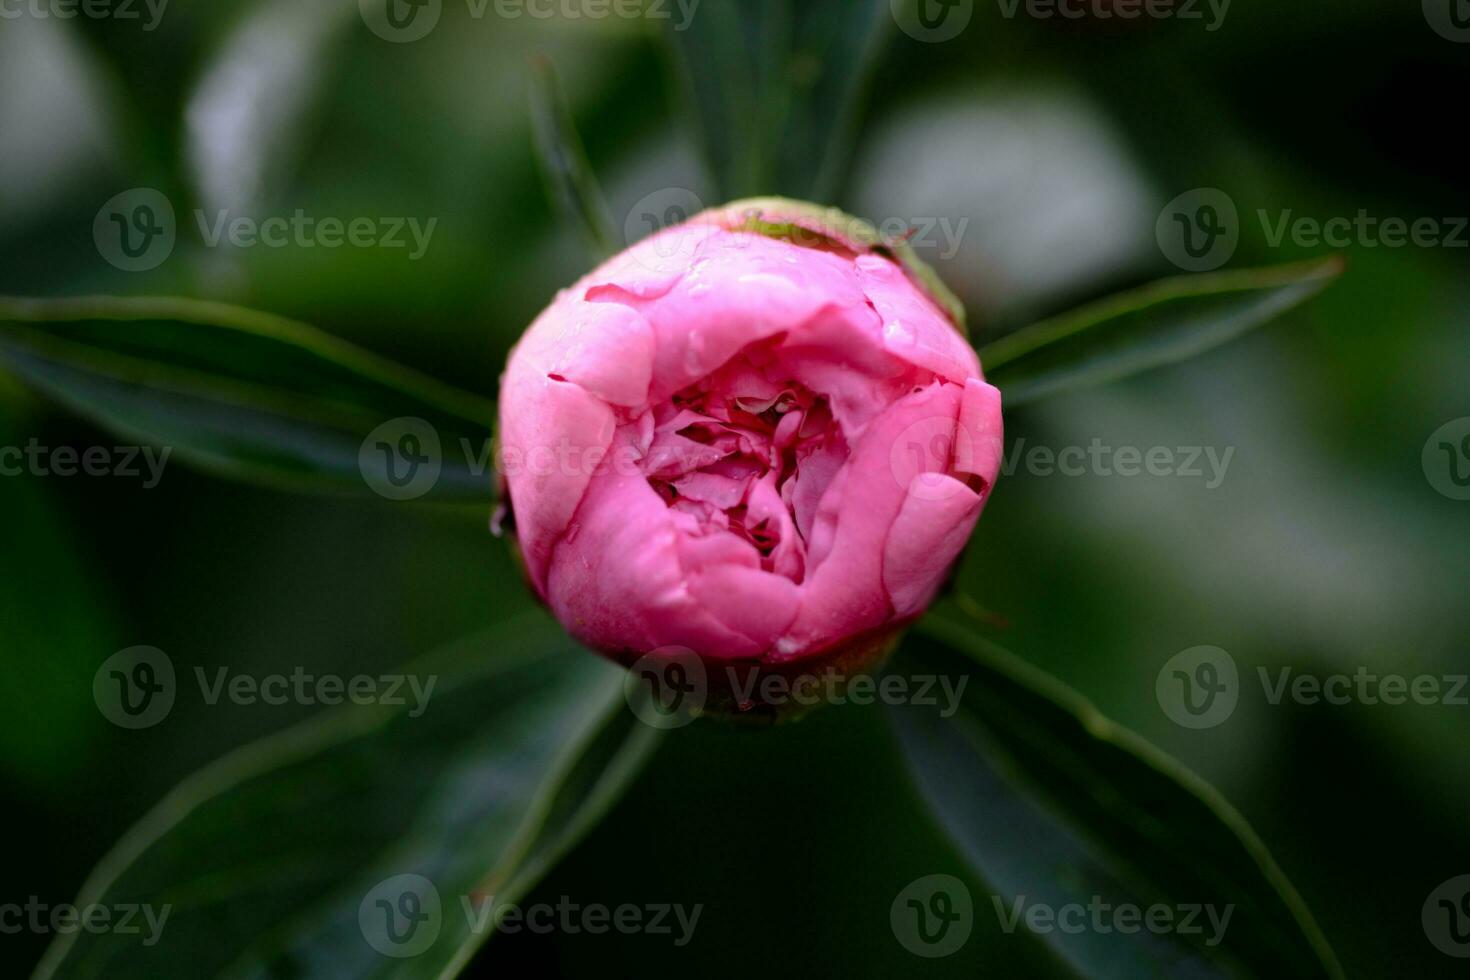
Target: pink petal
932 526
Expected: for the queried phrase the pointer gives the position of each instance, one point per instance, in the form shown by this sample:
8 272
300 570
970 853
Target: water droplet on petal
897 332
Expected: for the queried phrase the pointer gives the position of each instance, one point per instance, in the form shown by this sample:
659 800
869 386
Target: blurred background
1042 154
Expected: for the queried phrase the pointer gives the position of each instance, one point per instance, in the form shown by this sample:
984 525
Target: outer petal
607 348
623 582
932 526
844 593
552 437
914 329
743 288
982 428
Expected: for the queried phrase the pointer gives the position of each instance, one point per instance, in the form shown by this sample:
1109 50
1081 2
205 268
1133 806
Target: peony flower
760 435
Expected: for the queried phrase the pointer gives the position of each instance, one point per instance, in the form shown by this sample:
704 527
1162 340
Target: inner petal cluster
747 451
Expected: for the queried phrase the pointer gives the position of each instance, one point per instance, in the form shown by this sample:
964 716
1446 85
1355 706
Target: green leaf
250 107
774 87
267 859
252 396
569 177
55 616
1053 804
1167 321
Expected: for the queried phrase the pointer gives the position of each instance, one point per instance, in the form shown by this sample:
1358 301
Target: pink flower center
748 451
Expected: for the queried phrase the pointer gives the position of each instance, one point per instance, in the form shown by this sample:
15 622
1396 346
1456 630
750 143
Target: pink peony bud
760 435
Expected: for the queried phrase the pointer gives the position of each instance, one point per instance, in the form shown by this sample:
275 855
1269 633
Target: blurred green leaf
247 113
1053 805
273 861
774 87
569 177
55 619
250 395
1166 321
